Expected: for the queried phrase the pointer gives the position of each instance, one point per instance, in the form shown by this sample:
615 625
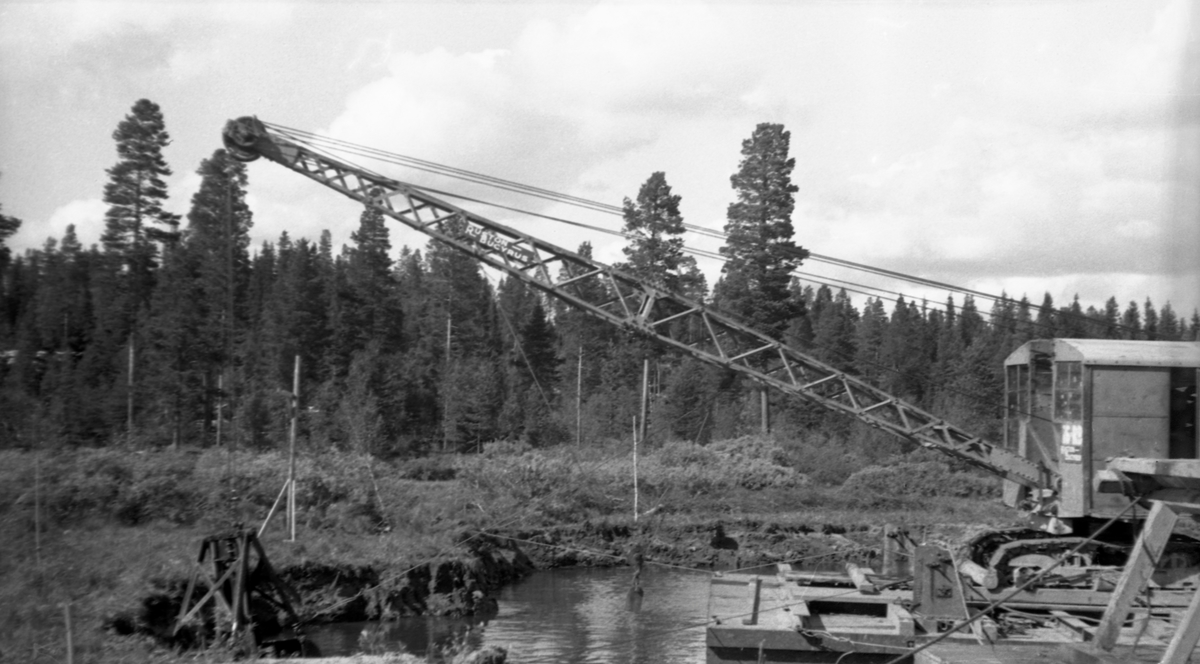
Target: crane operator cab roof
1112 352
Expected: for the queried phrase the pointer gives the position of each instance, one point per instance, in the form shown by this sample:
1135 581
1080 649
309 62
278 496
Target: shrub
430 468
906 483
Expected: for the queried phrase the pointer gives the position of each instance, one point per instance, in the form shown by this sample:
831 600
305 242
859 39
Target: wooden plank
1087 654
859 575
1073 623
819 578
902 620
756 589
1184 642
1150 544
1174 468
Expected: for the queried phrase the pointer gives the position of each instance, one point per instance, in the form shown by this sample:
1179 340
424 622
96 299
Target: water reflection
573 615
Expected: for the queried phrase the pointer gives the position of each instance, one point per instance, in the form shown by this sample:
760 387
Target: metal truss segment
625 301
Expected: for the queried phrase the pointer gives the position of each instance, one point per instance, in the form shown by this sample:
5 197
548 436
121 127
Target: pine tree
655 251
135 194
759 248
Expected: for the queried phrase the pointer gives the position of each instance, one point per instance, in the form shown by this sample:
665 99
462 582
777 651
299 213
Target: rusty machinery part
1014 554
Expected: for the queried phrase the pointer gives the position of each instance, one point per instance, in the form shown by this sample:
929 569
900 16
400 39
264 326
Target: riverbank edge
466 582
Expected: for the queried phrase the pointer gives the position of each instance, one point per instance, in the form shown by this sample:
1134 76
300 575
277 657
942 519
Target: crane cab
1073 403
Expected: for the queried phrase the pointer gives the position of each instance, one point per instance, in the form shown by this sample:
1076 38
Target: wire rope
295 134
546 194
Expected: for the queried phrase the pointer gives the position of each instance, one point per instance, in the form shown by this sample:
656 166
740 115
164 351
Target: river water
566 615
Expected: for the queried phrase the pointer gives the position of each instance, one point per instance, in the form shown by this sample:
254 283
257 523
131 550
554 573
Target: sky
1024 147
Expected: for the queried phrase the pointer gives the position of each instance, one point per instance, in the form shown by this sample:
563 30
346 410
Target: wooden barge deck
826 618
938 616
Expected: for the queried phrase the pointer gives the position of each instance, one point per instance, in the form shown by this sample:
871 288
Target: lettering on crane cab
1071 448
459 226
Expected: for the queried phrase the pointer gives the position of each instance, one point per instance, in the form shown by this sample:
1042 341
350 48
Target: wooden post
1145 555
232 281
635 469
129 395
579 399
645 399
756 589
220 406
70 637
445 432
37 508
890 545
765 408
291 509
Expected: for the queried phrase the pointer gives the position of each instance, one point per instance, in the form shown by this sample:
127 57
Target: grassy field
120 529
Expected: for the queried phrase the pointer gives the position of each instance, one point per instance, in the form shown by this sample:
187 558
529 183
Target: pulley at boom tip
242 137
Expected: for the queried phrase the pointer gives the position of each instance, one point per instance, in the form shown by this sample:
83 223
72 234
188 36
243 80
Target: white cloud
562 99
87 215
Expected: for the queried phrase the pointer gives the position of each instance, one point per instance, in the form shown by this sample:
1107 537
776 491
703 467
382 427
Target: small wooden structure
246 594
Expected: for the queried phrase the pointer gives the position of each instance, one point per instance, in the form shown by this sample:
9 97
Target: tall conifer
760 252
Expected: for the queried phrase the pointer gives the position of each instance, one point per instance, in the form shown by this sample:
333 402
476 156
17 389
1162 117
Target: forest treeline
176 331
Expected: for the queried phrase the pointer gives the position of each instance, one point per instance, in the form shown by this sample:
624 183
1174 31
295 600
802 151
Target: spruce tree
1131 322
1072 322
8 227
1168 324
1046 325
760 252
219 224
1110 320
872 330
373 312
1151 323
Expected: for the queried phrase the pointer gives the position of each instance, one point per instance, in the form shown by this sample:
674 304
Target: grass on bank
118 526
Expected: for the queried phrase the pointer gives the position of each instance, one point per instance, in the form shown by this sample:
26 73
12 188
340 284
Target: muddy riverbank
466 583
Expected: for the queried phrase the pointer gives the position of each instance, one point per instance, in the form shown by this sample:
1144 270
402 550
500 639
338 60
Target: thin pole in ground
70 637
292 452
